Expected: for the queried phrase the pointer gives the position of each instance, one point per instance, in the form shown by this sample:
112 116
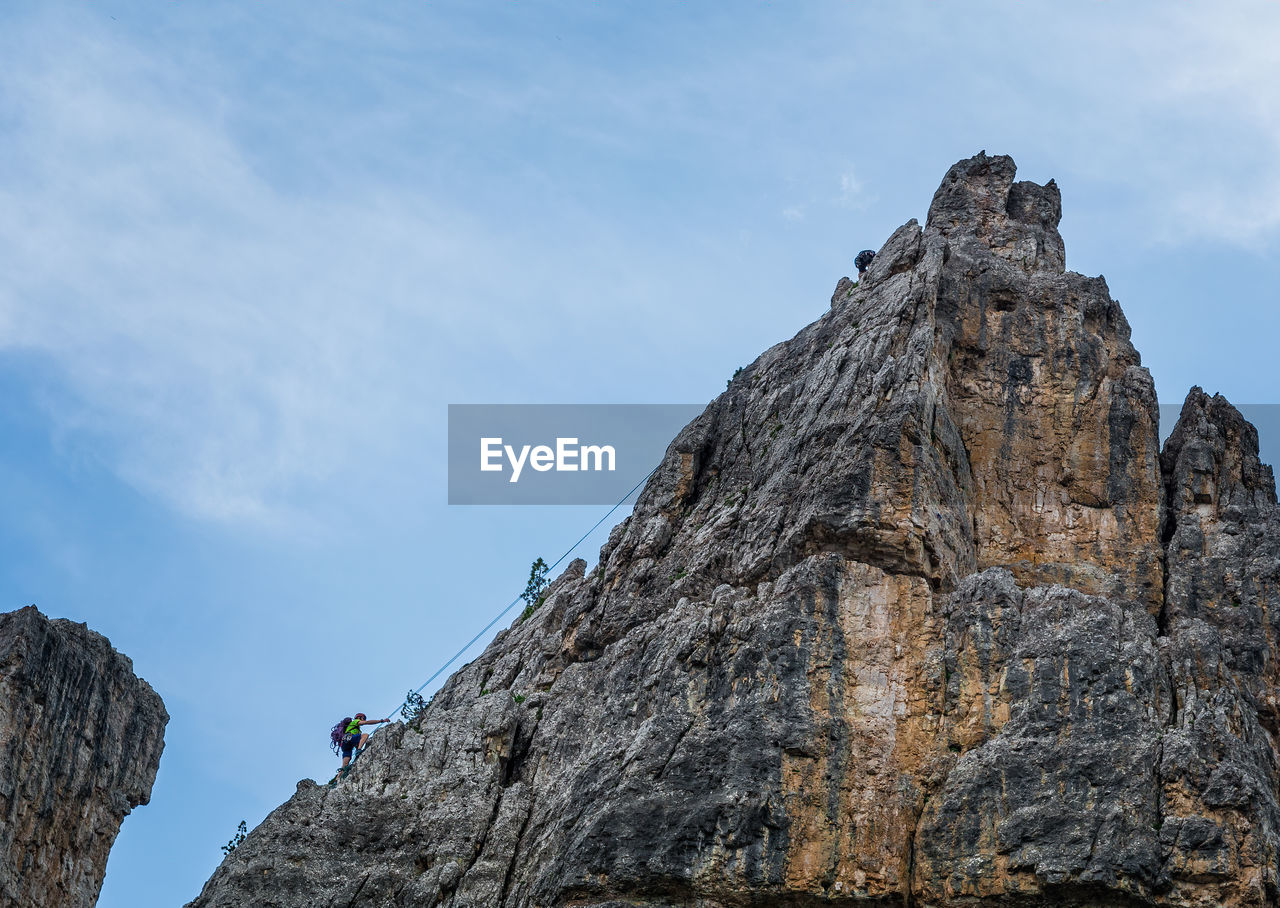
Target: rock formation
915 613
84 742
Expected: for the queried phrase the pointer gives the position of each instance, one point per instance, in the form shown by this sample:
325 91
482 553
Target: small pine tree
414 706
235 840
535 589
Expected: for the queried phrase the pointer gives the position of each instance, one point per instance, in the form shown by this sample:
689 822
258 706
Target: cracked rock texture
916 613
84 742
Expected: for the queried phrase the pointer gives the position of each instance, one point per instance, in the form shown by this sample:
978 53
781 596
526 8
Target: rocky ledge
916 613
84 743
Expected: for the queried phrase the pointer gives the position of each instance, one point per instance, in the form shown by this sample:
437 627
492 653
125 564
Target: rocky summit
84 737
916 613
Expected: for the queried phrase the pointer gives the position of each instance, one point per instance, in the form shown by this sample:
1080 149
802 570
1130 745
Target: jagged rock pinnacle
84 737
978 199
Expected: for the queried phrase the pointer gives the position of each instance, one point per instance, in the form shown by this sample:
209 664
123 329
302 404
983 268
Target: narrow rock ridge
902 618
85 743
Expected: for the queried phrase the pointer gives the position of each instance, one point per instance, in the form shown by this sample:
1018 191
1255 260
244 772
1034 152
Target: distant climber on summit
863 262
346 736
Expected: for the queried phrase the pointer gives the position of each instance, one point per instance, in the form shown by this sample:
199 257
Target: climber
863 261
346 736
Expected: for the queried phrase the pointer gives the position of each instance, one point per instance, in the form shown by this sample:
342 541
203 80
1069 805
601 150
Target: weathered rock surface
915 613
84 744
1219 770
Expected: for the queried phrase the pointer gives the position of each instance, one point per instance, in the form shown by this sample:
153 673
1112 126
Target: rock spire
84 743
915 613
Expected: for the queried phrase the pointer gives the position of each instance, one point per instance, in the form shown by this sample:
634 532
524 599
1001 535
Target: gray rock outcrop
85 737
915 613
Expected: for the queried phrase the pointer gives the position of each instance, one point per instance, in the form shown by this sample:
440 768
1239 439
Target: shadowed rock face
84 744
1219 771
901 619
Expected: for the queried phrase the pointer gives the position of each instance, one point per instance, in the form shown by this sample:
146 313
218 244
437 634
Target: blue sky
250 253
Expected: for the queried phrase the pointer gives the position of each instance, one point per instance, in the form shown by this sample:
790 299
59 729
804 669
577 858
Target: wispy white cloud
1177 106
1217 68
850 190
231 335
224 342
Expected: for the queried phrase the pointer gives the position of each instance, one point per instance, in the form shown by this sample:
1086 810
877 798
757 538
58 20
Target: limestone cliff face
84 737
915 613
